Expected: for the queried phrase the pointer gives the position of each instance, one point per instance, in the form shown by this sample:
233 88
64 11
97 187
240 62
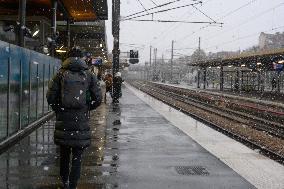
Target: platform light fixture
35 33
258 63
281 62
230 66
60 51
243 65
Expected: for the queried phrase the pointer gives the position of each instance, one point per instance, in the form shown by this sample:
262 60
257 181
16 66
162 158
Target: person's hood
118 74
74 63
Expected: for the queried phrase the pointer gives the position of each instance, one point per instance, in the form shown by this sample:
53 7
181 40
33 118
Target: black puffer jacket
72 125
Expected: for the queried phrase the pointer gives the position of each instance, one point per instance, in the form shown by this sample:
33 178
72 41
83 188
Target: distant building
223 54
271 41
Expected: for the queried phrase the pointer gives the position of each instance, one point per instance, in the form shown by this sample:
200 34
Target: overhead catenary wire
204 13
222 17
177 21
226 15
159 6
154 3
173 27
257 16
232 41
243 37
142 5
161 11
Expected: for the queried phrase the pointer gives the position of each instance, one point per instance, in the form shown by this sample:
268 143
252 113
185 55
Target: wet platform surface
133 147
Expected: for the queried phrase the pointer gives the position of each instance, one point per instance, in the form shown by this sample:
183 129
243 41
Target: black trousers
66 174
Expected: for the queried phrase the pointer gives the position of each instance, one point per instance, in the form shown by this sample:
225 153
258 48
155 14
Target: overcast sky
243 21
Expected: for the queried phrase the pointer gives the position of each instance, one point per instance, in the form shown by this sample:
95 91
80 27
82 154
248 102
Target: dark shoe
72 186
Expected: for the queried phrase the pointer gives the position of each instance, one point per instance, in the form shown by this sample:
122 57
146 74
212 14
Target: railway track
271 113
274 128
180 100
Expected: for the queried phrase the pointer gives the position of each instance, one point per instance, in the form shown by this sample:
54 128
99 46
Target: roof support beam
53 26
68 33
21 30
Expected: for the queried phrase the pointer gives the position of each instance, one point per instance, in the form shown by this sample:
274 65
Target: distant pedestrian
108 81
88 59
117 82
72 93
273 83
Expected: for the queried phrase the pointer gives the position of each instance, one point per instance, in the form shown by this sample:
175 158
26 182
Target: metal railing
24 77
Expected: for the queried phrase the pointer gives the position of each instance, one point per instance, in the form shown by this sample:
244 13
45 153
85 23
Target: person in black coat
117 82
72 130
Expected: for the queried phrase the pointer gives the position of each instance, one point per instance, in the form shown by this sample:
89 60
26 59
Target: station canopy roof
265 57
77 10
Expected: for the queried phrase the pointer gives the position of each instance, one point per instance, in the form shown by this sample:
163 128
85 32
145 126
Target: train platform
142 143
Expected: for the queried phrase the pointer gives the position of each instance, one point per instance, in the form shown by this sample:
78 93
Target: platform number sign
134 57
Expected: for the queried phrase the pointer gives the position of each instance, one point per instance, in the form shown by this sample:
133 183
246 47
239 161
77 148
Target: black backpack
74 89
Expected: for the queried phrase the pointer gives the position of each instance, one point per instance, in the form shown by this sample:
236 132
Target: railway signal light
134 57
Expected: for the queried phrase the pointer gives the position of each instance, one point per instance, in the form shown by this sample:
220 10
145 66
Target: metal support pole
43 89
68 33
116 51
21 95
53 26
113 16
238 81
204 78
8 97
30 92
116 29
22 13
150 62
259 81
198 77
42 33
221 78
242 79
145 73
172 57
231 79
37 90
155 64
49 77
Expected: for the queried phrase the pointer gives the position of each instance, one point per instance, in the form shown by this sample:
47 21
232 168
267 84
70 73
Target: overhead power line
257 16
177 21
164 10
224 16
204 13
154 3
173 27
142 5
159 6
242 37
